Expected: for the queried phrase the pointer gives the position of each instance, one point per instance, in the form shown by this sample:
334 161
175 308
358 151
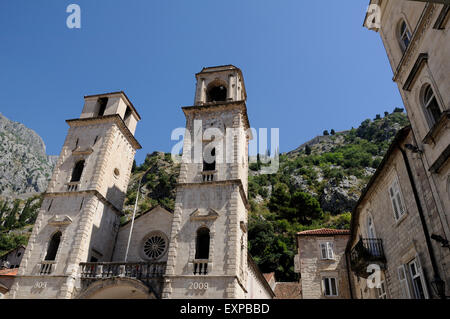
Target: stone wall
313 268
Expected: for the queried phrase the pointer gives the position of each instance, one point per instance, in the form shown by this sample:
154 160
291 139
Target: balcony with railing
200 266
138 270
47 267
208 176
366 252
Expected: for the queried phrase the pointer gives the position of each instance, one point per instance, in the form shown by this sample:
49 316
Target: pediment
80 151
208 214
60 220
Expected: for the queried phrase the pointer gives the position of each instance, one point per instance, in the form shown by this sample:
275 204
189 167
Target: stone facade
397 226
214 199
12 258
316 266
416 39
79 217
78 250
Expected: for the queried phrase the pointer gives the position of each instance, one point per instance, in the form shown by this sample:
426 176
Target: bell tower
207 255
80 213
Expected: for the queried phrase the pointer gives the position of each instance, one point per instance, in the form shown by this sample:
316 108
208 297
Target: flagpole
132 219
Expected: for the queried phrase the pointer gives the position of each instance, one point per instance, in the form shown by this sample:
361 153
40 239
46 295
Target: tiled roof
288 290
9 272
324 231
269 276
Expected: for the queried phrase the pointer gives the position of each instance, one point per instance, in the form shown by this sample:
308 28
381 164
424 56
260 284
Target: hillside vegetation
317 185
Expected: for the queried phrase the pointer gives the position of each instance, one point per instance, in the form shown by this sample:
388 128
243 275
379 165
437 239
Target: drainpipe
422 219
347 264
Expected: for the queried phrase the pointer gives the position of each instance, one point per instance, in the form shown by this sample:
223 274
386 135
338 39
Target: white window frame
329 280
381 292
406 34
427 103
404 286
419 275
329 250
397 201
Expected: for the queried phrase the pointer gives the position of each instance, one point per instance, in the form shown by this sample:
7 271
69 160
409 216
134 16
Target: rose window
155 246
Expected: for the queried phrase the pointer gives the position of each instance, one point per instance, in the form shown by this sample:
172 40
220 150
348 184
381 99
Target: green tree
325 133
307 149
280 200
332 132
10 221
307 208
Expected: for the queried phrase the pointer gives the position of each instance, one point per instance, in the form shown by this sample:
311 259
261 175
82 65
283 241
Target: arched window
431 105
209 161
53 246
77 171
202 243
217 93
404 36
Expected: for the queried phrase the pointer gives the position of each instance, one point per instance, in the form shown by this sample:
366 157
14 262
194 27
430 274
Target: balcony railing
200 266
208 176
367 251
139 270
46 267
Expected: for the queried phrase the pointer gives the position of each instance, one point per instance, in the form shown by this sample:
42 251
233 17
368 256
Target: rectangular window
397 200
329 287
417 279
326 250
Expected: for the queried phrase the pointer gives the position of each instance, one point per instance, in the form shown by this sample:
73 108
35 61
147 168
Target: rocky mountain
317 185
25 168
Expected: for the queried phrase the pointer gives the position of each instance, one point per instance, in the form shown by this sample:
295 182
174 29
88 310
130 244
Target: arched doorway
117 288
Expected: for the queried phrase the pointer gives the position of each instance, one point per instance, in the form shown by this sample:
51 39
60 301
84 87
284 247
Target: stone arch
117 288
217 91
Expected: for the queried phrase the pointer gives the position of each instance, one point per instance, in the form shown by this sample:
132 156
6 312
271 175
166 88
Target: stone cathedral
78 249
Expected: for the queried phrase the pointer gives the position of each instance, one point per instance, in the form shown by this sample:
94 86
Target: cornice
413 47
217 107
226 182
86 192
116 118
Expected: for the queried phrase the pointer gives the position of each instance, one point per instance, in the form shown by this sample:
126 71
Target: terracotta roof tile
269 276
288 290
9 272
324 231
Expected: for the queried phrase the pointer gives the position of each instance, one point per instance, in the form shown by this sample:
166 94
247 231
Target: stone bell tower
80 213
207 255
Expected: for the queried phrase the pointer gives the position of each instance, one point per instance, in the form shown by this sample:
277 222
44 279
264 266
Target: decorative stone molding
116 118
60 221
422 27
198 215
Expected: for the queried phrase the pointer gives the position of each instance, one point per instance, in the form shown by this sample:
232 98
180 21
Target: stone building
12 258
78 249
322 264
391 228
415 35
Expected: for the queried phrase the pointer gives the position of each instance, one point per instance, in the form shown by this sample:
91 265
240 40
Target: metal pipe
422 217
132 219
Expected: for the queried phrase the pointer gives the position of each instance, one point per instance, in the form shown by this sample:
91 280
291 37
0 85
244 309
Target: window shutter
422 277
330 250
394 204
323 250
398 195
401 271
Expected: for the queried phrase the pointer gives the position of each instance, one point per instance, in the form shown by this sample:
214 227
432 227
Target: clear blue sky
308 65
